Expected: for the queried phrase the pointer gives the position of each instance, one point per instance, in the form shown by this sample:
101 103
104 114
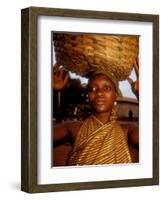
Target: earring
114 113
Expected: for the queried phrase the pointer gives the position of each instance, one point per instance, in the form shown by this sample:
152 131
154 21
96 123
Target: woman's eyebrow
104 82
102 85
107 83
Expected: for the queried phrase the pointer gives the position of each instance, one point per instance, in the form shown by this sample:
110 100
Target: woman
99 139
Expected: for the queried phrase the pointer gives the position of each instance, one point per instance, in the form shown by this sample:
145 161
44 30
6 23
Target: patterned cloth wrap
99 143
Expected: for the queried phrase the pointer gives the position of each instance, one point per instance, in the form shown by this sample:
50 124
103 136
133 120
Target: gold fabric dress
99 143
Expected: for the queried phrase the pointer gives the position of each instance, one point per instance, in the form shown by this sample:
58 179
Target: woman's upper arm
73 128
60 133
134 135
66 130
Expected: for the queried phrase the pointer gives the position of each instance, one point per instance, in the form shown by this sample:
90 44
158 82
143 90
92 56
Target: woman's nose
99 92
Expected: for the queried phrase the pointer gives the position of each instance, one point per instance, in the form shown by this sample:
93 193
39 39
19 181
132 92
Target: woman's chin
101 110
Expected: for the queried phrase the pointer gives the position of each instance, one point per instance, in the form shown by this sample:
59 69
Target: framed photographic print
90 99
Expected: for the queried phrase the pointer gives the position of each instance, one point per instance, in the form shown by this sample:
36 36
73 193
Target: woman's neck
103 117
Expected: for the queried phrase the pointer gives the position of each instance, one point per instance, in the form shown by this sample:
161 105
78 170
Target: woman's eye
107 88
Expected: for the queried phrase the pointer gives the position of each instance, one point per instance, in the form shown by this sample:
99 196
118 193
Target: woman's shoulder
73 128
131 130
128 125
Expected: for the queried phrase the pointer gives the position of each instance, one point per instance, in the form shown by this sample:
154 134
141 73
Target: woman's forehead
100 78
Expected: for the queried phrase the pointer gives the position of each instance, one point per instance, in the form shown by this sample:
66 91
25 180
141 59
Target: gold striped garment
99 143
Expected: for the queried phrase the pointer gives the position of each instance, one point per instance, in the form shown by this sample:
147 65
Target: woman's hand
60 78
135 84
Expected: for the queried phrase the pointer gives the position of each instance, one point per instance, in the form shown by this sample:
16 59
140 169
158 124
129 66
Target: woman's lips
99 101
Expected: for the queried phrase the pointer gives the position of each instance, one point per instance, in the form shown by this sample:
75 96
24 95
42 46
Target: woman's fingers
136 67
61 73
58 71
130 81
134 86
60 77
56 67
65 80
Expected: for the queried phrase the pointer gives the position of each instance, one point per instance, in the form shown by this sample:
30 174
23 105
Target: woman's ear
116 96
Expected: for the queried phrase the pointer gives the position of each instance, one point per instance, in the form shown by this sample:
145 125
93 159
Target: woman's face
101 93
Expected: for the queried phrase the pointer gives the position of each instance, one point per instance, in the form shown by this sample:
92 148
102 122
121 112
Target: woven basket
88 52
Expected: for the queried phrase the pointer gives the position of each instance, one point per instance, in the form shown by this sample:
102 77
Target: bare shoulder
132 132
67 129
73 128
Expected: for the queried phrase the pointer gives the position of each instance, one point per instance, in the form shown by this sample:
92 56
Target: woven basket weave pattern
88 52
